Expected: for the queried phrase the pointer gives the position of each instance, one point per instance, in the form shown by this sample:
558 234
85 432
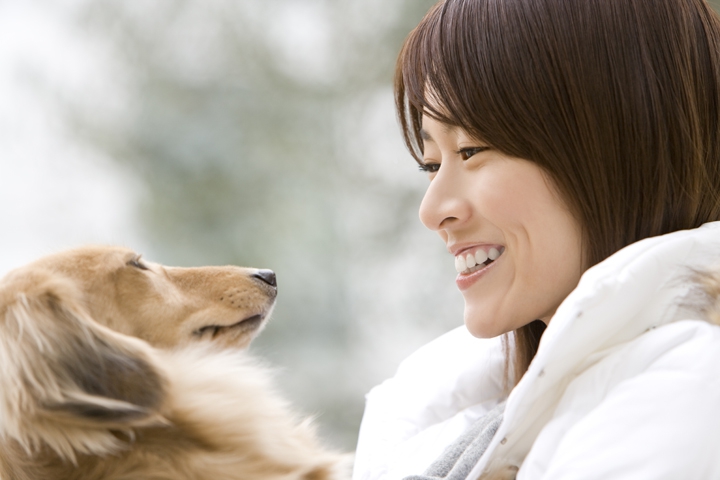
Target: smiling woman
574 163
490 207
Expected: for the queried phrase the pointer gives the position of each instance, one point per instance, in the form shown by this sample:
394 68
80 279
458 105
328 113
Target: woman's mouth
470 261
475 263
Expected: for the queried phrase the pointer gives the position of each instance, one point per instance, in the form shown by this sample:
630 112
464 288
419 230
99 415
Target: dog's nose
267 276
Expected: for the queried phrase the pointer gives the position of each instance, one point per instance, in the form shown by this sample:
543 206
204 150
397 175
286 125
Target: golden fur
111 370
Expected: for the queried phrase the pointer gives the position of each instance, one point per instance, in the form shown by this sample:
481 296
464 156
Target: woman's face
517 248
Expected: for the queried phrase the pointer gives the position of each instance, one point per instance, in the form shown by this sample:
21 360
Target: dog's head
84 393
165 306
72 370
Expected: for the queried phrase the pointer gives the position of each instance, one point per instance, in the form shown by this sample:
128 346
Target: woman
563 139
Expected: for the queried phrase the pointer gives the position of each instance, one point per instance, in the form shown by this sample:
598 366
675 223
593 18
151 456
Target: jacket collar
643 286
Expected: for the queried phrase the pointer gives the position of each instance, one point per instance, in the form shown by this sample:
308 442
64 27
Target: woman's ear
63 370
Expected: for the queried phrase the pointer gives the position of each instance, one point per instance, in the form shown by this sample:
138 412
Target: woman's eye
467 153
429 167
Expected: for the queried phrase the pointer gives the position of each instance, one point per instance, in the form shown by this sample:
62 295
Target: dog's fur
111 368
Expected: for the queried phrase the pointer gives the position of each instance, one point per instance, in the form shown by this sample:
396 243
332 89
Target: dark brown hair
617 100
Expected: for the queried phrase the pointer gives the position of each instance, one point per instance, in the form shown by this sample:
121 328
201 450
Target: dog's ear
63 371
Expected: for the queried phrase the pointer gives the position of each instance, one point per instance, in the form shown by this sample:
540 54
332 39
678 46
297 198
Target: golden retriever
112 368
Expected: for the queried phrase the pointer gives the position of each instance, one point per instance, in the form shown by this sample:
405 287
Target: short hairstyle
617 100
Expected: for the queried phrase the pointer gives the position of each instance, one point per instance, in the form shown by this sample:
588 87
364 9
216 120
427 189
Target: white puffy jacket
625 384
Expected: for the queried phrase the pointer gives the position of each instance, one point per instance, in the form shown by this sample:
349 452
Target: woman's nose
443 205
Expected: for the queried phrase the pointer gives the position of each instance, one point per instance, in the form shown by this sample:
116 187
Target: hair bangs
434 74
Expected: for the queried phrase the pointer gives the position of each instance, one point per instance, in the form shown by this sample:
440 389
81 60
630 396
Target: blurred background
250 132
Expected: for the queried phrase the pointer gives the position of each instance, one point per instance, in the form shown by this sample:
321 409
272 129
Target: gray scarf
460 457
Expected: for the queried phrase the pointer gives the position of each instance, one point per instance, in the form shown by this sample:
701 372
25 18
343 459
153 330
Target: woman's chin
482 325
483 321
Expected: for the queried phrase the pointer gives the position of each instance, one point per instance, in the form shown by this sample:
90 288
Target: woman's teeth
470 263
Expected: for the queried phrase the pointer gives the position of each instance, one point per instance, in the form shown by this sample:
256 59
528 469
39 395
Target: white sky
54 193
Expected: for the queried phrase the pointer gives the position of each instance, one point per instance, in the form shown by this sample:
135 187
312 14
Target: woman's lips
472 264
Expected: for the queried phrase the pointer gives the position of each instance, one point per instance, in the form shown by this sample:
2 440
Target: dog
112 367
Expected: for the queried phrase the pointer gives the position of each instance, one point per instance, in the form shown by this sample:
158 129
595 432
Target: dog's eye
137 263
